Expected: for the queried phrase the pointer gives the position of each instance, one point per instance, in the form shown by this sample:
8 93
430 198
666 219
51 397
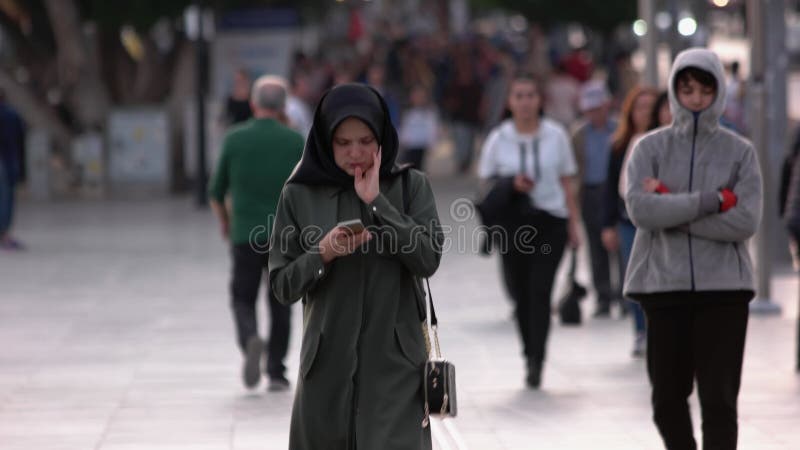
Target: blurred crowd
444 87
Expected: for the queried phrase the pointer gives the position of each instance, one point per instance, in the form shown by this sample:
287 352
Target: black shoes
278 384
603 311
251 372
534 378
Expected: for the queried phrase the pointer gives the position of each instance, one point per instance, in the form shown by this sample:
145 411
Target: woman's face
640 114
354 145
524 100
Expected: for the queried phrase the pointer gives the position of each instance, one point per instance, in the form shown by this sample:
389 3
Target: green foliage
142 14
602 15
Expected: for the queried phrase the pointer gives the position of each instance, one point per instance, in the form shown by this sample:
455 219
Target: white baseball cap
593 95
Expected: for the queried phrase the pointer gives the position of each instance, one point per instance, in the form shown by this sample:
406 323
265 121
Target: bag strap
406 205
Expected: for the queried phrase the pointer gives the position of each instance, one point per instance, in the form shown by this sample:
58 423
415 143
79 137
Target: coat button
319 272
374 209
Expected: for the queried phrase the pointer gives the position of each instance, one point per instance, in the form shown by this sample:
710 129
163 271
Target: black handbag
439 374
569 307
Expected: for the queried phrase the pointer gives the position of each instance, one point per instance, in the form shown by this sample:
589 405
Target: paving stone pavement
116 334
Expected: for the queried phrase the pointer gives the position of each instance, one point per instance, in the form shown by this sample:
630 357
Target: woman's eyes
365 141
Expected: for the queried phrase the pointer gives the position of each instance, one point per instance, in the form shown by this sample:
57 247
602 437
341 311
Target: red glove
727 200
661 189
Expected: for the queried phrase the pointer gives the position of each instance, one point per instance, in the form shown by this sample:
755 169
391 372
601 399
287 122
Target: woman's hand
367 183
341 242
610 239
523 184
650 184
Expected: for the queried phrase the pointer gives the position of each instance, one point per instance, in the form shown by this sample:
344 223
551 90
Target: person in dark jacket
694 192
360 381
12 135
618 231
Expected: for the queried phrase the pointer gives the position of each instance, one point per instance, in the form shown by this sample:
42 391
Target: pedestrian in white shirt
419 125
529 163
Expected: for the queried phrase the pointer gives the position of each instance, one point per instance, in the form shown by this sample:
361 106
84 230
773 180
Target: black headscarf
318 166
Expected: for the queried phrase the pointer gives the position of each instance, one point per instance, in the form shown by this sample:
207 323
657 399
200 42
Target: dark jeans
6 199
529 279
591 198
696 336
627 233
248 267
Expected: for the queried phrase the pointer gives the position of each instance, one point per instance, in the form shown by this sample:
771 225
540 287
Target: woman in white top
533 156
418 128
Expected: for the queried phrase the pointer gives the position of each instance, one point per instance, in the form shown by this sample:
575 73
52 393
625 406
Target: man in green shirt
256 159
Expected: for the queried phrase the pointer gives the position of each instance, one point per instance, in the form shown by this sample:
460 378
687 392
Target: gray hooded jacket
682 242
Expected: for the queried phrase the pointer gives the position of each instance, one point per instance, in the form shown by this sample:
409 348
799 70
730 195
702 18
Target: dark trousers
248 267
6 199
529 279
591 199
701 338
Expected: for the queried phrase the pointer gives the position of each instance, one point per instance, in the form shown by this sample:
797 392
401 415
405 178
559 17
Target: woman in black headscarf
363 348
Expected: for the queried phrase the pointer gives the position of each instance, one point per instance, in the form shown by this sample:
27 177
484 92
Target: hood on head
683 118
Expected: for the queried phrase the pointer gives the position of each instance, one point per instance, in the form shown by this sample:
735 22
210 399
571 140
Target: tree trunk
32 110
181 91
79 68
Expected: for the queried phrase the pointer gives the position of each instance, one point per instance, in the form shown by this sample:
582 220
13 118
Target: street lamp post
199 27
759 72
647 12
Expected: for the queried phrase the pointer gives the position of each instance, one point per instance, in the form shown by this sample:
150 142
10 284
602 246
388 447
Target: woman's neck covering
317 166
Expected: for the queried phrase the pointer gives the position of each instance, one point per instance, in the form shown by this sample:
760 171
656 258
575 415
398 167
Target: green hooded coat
363 349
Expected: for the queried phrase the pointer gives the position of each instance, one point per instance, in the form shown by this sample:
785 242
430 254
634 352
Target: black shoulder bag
438 374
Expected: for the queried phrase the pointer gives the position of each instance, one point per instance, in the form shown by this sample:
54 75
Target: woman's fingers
346 243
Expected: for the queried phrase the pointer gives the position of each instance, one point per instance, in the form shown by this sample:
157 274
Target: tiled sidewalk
116 334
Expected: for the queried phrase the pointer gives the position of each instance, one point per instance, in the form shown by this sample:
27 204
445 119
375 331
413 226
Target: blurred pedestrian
694 191
237 105
12 135
419 126
734 115
530 158
463 103
591 141
618 231
661 116
562 96
297 111
363 349
256 159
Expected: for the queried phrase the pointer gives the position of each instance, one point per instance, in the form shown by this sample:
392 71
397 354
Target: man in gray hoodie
694 192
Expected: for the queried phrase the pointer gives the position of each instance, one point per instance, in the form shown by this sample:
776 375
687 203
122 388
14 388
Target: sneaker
603 311
12 245
251 372
639 346
278 384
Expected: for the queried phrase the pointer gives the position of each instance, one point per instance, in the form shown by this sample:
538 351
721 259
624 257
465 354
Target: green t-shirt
256 159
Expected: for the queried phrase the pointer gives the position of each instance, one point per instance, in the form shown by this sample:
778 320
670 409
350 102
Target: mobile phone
353 227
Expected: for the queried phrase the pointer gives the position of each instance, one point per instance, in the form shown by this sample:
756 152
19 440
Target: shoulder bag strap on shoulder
406 205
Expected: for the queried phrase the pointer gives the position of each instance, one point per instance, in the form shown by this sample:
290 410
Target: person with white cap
591 141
